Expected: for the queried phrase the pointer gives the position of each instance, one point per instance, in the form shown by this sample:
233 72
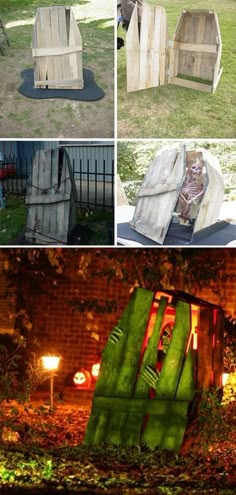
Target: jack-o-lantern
95 370
82 379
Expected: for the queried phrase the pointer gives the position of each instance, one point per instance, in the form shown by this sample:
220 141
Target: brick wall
61 328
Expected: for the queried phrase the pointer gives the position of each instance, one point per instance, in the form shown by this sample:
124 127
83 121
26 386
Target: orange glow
50 363
95 370
225 378
82 379
195 340
169 297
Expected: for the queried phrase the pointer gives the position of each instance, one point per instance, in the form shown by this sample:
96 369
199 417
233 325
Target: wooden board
57 49
146 60
214 193
196 51
158 194
50 198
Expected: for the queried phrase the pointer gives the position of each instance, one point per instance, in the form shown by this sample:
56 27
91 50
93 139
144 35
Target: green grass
175 112
12 219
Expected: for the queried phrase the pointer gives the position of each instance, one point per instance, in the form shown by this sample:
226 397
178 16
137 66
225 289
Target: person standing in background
127 7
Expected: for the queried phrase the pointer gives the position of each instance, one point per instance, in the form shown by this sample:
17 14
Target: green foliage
20 371
210 417
12 219
134 158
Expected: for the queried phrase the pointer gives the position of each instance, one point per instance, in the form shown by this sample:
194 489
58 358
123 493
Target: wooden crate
196 51
191 60
159 199
57 49
152 366
50 198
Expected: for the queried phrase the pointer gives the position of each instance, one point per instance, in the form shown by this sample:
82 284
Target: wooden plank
47 199
60 84
218 349
134 404
216 81
43 52
39 65
134 422
119 366
49 63
214 193
47 186
55 190
147 48
172 366
164 42
195 47
205 350
75 59
186 83
63 209
132 53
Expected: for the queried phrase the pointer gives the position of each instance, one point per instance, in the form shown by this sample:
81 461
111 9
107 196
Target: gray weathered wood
146 59
196 50
57 49
50 198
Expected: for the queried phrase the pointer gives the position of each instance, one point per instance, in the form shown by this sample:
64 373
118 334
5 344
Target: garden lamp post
50 364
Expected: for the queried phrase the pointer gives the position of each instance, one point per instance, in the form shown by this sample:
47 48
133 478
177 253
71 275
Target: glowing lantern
82 379
50 363
95 370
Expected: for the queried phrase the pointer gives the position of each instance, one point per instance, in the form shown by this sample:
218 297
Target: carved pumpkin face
82 379
95 370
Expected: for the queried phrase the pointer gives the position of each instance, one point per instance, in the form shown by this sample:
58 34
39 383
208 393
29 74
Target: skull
196 168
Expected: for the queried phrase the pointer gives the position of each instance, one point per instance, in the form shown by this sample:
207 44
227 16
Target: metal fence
93 171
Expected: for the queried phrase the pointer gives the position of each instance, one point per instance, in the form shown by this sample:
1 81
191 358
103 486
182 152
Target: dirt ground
22 117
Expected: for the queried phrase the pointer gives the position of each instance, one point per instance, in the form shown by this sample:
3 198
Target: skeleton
191 191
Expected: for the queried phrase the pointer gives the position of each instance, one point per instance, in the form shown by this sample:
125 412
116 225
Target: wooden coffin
166 346
57 49
160 200
196 51
146 59
192 60
50 198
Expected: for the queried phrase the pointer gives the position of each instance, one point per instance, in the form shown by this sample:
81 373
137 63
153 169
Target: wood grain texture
158 195
196 50
214 193
146 60
57 49
50 199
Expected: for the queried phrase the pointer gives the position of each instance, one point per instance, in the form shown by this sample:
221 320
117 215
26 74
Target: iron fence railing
94 180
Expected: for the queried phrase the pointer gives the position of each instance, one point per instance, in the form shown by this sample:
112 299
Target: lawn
93 227
25 117
175 112
42 451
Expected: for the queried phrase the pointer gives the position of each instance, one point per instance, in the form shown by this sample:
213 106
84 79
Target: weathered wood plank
214 193
196 50
132 53
57 49
163 181
119 367
186 83
172 366
51 204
